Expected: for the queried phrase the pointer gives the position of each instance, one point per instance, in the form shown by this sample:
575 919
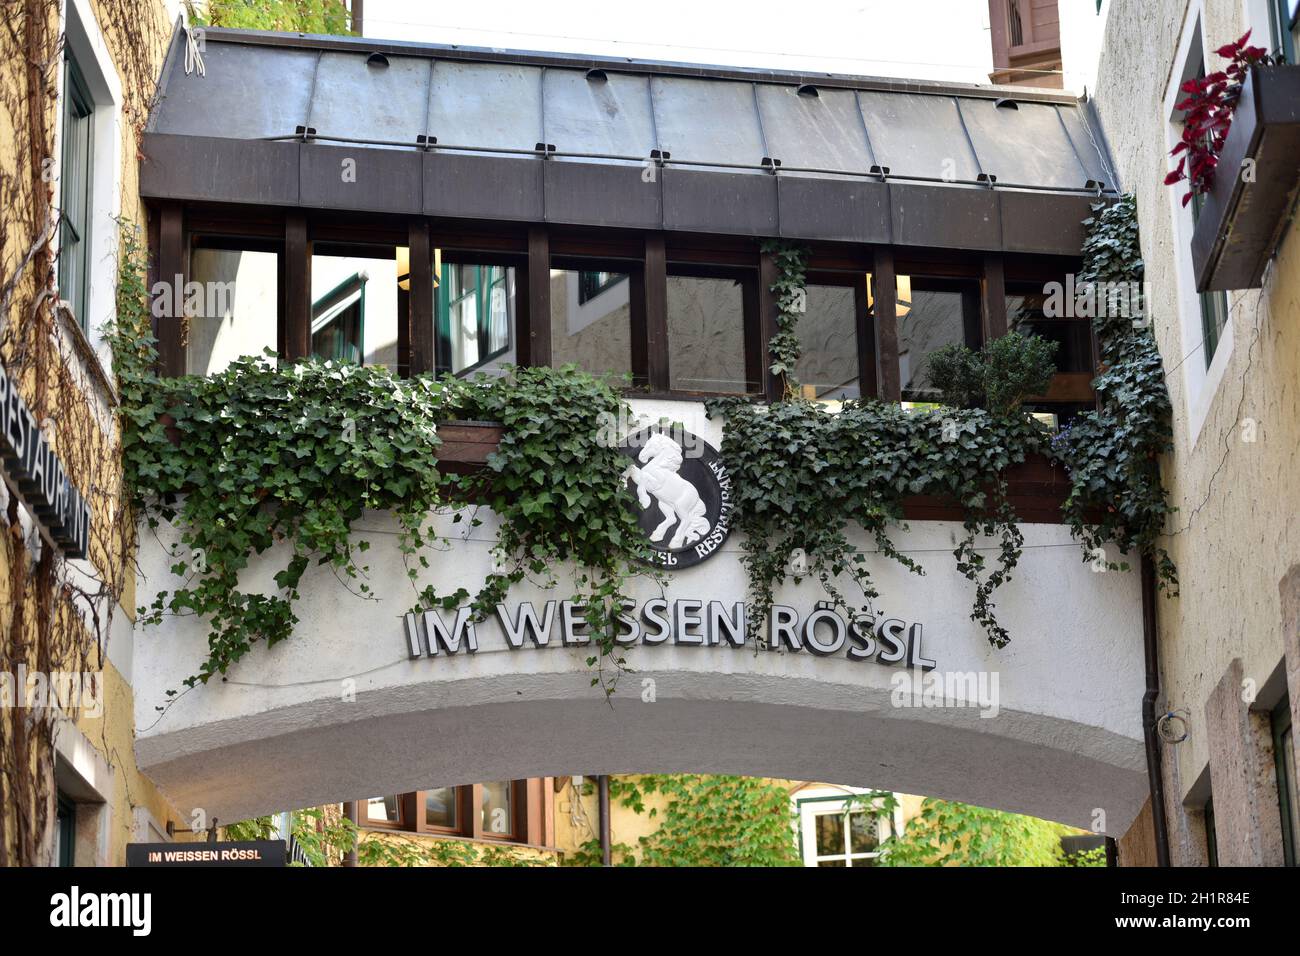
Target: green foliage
783 347
802 474
290 16
999 377
558 489
268 452
708 820
1113 454
957 834
324 841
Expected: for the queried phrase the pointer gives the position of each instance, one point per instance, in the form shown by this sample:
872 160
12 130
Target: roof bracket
546 149
425 143
305 133
986 178
881 171
659 156
1096 185
771 164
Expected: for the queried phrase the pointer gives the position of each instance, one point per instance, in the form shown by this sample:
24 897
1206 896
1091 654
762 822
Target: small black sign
682 492
231 853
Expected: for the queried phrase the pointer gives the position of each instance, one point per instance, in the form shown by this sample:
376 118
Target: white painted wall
278 733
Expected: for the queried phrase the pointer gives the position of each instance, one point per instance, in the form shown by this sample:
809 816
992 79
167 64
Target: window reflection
591 323
706 335
475 317
497 816
828 342
941 312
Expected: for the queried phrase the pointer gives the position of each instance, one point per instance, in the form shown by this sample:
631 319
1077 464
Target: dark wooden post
539 297
993 298
868 374
419 301
658 369
884 287
171 270
297 287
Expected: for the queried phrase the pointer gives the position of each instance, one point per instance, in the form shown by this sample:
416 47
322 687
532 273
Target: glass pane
1287 744
497 816
594 333
355 304
839 862
1073 337
830 833
383 810
931 314
475 317
706 335
862 833
232 302
862 861
440 807
828 343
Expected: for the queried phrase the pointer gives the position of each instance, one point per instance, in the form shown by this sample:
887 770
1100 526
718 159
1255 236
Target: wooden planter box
1241 221
1038 487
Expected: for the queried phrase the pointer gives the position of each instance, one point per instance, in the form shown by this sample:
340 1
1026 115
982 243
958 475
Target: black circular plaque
681 492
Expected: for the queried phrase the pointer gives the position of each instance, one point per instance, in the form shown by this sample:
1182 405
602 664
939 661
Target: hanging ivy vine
1113 454
264 453
804 474
790 289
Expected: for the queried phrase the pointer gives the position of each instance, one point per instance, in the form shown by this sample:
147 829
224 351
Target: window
231 302
1284 24
1211 839
65 832
1214 305
1288 797
338 321
1070 391
709 341
74 190
828 343
591 323
474 315
496 810
592 284
932 313
357 299
837 830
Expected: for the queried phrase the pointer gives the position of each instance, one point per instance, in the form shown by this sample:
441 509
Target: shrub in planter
998 378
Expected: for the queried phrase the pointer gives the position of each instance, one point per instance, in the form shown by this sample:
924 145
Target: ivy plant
790 291
1113 454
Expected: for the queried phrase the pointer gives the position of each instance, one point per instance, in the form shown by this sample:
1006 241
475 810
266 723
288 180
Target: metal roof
465 132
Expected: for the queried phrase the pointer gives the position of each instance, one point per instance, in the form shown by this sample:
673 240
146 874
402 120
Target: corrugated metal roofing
259 87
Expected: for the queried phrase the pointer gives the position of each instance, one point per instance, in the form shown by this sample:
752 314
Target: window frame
469 823
808 809
1288 789
74 256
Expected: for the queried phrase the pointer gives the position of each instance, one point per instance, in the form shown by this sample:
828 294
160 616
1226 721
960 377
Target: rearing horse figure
678 499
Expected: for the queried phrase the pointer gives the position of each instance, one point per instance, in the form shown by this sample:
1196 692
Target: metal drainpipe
1155 775
602 783
350 811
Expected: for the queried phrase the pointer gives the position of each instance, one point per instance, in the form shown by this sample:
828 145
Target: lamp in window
902 295
404 268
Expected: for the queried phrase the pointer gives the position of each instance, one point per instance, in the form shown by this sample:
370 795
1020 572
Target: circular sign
682 493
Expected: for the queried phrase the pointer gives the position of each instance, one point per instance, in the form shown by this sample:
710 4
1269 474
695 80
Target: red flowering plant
1207 116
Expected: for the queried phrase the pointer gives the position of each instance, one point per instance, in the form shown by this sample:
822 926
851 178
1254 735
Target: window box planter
1241 221
1038 487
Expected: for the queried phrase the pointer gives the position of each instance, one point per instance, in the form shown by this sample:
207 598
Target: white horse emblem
679 500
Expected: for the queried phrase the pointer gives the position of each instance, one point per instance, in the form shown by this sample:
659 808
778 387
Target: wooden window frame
529 810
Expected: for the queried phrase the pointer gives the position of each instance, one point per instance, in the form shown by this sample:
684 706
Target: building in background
1223 272
1026 38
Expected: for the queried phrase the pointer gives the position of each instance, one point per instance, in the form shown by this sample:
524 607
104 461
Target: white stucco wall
278 732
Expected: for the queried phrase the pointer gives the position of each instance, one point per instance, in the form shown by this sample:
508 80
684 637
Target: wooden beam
297 286
773 386
884 289
655 296
539 296
419 301
993 298
171 270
